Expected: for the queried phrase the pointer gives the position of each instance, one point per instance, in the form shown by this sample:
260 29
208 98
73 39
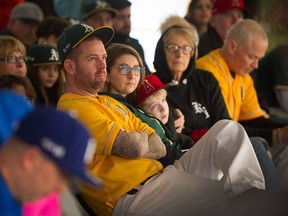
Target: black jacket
197 95
199 98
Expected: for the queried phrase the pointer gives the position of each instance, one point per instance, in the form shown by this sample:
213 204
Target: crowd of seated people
194 137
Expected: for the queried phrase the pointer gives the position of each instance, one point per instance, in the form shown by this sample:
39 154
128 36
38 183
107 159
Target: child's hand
179 122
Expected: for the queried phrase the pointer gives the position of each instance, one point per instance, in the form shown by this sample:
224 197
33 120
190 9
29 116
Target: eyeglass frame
178 48
16 59
130 69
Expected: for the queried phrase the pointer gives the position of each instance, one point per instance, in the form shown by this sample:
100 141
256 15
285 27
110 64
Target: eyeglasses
125 69
173 48
14 59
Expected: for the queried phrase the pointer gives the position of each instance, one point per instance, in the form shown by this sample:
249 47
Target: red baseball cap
222 6
150 85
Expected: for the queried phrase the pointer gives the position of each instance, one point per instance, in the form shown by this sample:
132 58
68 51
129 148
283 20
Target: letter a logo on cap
87 27
54 55
148 87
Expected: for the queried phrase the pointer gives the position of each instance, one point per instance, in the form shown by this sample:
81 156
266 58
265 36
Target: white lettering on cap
66 47
55 149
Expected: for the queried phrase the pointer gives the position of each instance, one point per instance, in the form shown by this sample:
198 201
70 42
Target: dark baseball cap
97 6
119 4
42 54
73 35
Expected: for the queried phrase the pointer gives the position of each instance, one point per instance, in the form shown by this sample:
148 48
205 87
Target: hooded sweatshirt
197 95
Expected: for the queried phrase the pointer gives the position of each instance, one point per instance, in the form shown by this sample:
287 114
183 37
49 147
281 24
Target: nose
21 63
161 108
52 72
255 64
179 52
21 60
101 64
131 74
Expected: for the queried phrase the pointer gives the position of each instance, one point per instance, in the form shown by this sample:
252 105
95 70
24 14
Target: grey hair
175 20
245 30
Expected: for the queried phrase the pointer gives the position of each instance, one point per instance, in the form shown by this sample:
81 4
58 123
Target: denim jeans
272 181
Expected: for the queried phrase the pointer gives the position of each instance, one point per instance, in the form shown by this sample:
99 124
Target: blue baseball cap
62 139
13 107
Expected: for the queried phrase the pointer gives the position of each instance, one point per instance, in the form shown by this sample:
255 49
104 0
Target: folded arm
138 144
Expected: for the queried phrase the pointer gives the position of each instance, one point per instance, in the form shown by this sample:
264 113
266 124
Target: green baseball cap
42 54
97 6
73 35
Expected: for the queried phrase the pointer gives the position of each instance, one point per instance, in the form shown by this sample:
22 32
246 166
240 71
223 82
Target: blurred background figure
273 17
5 10
12 56
224 14
47 7
30 168
271 81
199 14
98 13
44 72
23 22
253 8
122 28
19 84
50 28
71 9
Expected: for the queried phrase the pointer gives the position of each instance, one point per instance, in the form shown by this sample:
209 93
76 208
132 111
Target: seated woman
125 70
12 56
125 92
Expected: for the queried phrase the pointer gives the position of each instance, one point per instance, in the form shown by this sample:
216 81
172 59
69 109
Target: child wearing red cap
152 99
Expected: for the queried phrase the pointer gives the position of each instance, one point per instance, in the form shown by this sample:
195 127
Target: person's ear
212 20
69 66
232 46
30 159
